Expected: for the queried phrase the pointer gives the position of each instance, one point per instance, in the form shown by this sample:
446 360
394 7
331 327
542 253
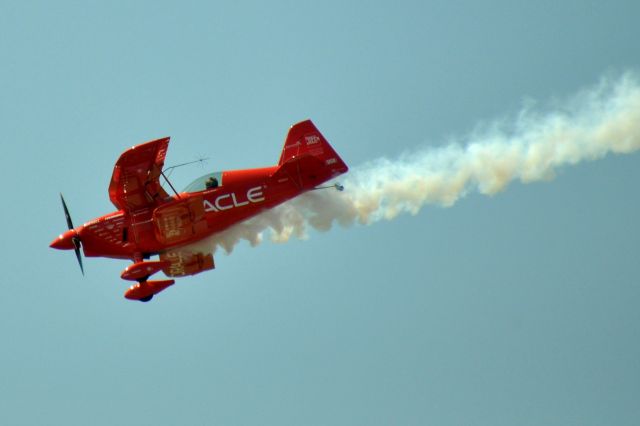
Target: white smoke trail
604 119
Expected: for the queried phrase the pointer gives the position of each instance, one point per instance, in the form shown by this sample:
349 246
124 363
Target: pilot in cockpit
211 183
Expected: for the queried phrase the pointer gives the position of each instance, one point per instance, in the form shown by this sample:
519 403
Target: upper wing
135 182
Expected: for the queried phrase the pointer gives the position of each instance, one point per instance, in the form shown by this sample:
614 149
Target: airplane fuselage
151 222
189 217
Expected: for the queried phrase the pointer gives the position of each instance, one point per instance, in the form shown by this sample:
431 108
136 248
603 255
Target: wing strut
169 182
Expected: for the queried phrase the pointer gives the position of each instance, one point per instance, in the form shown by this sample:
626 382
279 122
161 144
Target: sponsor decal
232 200
177 263
313 139
293 145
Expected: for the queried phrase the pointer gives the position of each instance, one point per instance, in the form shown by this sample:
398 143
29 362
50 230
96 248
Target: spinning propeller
70 239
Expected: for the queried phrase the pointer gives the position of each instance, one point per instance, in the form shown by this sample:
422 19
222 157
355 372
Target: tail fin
308 158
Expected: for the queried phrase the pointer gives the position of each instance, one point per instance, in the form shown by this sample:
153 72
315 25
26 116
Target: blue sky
521 308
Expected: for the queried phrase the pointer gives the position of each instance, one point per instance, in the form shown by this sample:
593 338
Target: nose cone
64 241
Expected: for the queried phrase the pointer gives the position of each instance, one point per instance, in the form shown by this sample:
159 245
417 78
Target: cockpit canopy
208 181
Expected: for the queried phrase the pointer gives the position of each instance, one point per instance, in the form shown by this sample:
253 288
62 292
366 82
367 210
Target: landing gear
145 290
146 298
140 271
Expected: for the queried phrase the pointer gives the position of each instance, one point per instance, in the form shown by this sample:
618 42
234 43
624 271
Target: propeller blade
77 245
66 213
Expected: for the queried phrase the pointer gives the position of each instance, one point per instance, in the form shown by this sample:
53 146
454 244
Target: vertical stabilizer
307 156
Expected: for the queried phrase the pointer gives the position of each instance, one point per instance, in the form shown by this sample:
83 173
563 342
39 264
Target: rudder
306 145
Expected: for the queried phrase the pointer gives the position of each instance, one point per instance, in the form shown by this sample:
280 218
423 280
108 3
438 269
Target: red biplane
150 222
